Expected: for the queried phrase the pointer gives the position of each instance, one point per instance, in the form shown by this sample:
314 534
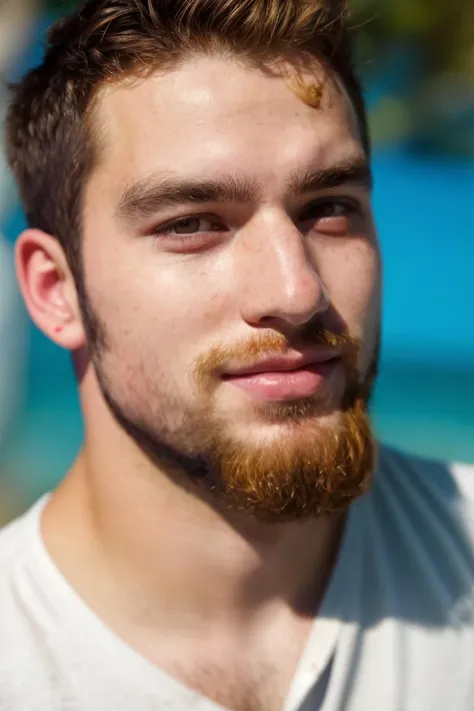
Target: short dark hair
51 145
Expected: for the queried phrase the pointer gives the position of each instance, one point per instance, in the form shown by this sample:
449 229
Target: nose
279 283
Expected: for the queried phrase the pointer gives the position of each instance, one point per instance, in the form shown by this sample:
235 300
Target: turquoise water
424 401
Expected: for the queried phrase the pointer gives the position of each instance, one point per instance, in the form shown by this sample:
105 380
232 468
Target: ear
48 288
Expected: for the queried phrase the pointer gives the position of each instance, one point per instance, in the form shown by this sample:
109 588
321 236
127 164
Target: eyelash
168 229
351 207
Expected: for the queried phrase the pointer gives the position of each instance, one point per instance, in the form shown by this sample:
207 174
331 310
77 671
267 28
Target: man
195 173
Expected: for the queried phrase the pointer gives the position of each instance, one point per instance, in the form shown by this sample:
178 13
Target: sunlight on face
232 275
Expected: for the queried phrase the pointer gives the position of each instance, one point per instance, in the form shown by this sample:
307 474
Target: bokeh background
417 61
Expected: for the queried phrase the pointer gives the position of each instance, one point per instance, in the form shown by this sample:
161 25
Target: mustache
274 344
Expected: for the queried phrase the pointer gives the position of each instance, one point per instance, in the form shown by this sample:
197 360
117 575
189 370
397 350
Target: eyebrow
356 172
144 198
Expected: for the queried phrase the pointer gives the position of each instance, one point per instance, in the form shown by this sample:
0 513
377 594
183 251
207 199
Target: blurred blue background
424 204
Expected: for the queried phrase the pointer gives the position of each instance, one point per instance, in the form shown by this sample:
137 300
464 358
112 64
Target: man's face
228 223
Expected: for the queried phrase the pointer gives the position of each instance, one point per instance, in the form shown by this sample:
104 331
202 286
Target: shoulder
448 483
427 490
12 539
24 637
18 549
421 516
16 536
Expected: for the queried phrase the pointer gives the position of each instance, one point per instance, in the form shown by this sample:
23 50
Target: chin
273 424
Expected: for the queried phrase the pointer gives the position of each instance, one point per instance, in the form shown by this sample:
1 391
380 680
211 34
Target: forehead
214 115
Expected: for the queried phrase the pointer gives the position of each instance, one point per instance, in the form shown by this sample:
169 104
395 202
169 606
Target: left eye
328 209
189 226
334 218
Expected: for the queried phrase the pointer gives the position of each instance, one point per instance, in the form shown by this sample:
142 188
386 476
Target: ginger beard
308 469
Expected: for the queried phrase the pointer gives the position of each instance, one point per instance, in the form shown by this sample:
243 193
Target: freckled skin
162 310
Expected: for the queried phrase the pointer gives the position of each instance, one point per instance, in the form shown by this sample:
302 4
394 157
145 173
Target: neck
119 525
175 559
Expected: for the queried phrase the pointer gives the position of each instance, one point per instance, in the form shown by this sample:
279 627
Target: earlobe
48 288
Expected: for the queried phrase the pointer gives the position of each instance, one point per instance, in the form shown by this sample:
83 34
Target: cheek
160 306
190 301
351 273
354 283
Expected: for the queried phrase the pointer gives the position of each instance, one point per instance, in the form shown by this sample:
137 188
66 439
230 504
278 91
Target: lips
286 378
291 362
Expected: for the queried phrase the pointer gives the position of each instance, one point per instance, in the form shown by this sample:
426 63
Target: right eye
188 226
188 234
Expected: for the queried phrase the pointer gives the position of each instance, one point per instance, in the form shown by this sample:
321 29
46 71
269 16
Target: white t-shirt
395 631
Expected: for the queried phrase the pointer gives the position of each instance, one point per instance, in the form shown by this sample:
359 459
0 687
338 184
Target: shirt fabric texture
395 631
